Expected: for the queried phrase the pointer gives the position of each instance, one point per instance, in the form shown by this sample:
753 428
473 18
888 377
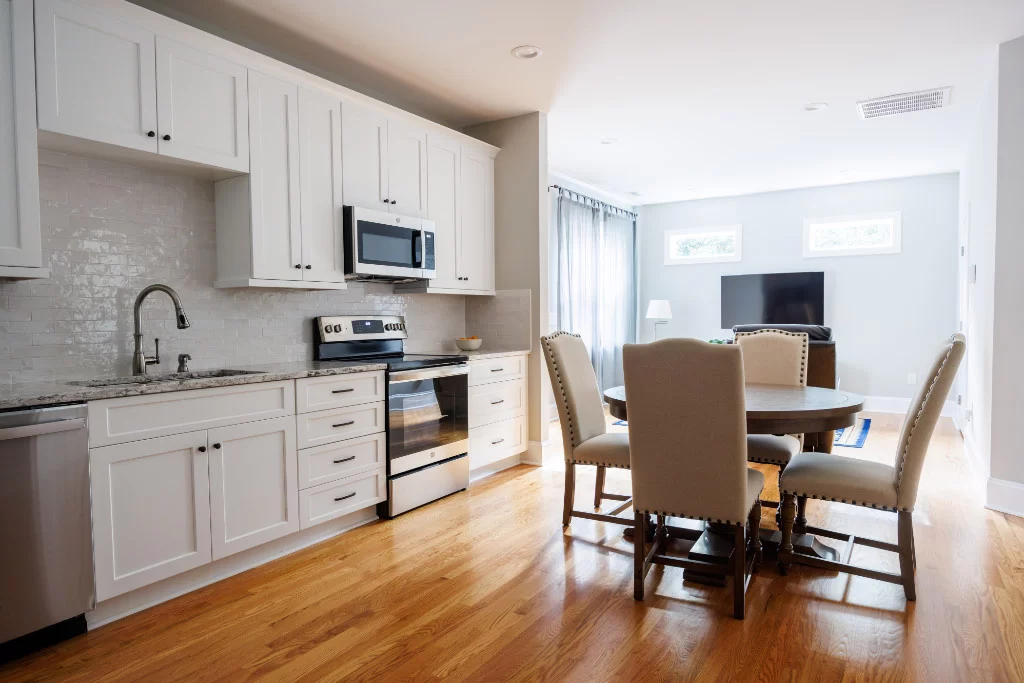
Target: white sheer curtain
595 282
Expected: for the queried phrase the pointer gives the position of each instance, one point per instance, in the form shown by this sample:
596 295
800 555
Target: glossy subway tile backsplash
110 229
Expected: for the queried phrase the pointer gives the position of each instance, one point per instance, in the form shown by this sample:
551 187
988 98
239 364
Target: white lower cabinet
253 490
497 409
334 499
497 441
151 511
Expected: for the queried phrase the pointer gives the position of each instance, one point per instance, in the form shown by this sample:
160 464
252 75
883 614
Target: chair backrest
687 429
580 408
921 419
774 357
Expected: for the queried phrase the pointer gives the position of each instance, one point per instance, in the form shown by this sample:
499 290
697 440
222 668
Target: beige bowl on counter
469 344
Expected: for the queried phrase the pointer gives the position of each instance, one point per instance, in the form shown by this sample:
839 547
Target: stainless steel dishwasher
46 574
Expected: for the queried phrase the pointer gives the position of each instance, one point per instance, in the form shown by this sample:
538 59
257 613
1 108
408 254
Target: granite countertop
473 355
51 393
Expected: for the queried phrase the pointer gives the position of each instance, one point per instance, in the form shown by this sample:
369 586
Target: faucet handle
183 359
155 359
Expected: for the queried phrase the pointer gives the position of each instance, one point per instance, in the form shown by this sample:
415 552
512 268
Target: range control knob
337 328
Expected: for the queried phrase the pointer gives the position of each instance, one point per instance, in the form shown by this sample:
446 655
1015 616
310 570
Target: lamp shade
660 309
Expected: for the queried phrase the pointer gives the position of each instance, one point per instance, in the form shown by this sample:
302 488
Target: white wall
888 312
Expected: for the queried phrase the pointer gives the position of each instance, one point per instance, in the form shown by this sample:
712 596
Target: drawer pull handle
497 369
494 403
338 462
347 495
495 443
343 391
344 424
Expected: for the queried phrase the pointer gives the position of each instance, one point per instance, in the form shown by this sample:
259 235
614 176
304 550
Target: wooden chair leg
570 492
599 487
639 554
788 508
801 513
907 553
753 533
739 568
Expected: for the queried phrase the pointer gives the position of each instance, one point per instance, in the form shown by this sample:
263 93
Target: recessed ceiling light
609 141
527 52
815 106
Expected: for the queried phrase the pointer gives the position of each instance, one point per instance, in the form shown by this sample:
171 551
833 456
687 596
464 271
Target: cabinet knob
394 201
167 137
298 265
151 134
387 201
217 446
202 449
309 267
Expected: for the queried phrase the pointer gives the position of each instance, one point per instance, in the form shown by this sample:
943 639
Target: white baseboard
1005 496
534 454
162 591
900 406
495 467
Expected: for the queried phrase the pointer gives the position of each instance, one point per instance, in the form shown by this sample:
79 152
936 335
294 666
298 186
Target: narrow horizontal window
704 245
877 233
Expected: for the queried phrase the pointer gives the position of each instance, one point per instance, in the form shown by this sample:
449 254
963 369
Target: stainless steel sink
168 377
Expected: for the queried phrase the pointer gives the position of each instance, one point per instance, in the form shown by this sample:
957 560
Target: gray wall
888 311
110 229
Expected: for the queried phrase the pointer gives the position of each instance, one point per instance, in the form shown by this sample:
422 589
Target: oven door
383 244
428 416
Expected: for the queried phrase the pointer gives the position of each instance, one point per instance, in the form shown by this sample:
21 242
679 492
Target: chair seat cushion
841 479
769 449
755 484
608 450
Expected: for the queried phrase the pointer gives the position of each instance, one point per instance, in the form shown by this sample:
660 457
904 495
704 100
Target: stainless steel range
427 407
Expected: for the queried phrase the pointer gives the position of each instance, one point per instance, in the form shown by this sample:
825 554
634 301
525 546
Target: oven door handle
428 373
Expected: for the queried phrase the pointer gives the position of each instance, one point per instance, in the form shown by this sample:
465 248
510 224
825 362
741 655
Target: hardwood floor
486 586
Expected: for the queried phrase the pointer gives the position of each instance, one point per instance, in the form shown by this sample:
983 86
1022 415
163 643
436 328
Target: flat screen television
773 299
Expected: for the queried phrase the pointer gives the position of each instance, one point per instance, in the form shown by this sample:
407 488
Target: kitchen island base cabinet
151 511
253 488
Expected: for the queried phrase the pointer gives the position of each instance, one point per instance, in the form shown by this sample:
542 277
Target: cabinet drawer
328 501
119 420
325 393
496 441
496 369
342 459
328 426
495 402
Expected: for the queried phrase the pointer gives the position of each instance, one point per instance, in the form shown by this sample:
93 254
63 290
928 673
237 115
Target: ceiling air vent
891 105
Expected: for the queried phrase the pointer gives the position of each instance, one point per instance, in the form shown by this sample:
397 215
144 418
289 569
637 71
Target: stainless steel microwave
385 246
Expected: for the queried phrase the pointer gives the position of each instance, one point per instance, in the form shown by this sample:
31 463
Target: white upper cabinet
96 76
254 494
20 240
274 181
364 155
476 236
201 107
407 170
443 177
323 245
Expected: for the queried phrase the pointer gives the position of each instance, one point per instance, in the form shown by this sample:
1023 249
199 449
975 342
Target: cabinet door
274 180
407 169
443 165
201 104
150 511
19 165
364 155
476 234
254 494
323 246
96 76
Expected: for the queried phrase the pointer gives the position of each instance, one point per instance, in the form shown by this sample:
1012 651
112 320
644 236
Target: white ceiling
704 98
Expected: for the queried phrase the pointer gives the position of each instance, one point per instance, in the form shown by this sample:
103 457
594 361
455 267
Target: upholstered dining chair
775 357
872 484
585 437
688 454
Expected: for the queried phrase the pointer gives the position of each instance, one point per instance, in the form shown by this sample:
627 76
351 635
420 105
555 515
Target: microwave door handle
417 250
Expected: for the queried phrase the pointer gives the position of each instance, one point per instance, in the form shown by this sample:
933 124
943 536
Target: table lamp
661 312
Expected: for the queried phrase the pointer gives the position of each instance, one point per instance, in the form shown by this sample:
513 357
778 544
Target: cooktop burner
378 338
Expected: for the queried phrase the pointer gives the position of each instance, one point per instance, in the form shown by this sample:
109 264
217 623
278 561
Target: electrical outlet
911 378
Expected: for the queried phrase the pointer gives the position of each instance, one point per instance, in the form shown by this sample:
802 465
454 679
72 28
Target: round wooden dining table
771 409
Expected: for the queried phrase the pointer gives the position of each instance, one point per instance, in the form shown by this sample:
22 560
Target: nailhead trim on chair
701 519
803 353
913 426
599 464
861 503
767 461
558 377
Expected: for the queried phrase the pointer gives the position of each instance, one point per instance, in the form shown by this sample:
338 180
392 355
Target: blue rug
619 423
855 436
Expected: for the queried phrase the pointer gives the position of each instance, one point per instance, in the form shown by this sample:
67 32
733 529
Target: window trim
723 258
895 248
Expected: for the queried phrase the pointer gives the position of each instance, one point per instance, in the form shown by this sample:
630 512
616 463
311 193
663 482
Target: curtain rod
591 199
